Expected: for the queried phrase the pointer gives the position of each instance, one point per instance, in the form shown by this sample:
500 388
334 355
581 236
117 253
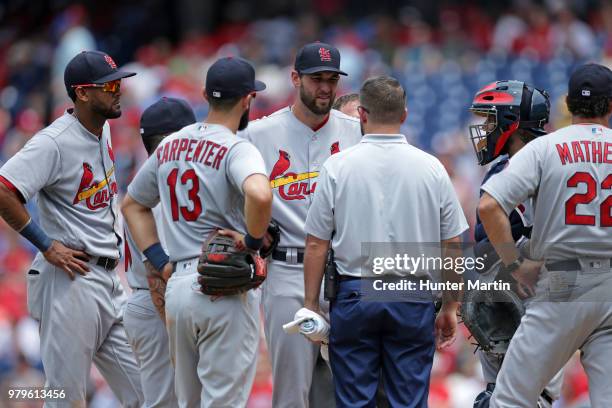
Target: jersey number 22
571 217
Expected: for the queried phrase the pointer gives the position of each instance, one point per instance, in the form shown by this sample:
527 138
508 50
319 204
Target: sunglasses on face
112 86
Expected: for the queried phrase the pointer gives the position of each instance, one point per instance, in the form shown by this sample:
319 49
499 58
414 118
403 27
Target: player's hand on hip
236 236
446 326
527 276
69 260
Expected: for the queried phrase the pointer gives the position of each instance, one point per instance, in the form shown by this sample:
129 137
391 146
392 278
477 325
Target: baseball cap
318 57
590 80
92 67
230 77
166 116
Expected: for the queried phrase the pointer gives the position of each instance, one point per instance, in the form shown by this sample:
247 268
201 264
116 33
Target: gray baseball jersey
134 259
197 175
565 173
294 154
568 174
73 173
200 171
376 171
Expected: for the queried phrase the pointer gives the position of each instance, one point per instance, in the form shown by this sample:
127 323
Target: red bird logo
335 148
86 180
281 165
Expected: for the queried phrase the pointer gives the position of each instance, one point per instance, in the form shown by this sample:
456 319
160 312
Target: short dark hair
151 142
224 104
592 107
345 99
384 98
71 93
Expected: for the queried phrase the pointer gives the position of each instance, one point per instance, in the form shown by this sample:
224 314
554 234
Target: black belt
344 278
135 289
574 265
289 255
107 263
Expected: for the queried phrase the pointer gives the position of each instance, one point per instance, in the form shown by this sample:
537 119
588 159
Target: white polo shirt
382 190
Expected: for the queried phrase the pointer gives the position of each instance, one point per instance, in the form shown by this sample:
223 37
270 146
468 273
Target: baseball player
567 174
146 331
347 104
368 336
72 289
205 177
295 142
514 114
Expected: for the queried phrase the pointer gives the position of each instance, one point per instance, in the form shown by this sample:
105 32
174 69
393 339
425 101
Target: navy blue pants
367 337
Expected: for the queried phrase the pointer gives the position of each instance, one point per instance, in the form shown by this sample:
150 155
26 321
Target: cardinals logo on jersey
291 186
94 192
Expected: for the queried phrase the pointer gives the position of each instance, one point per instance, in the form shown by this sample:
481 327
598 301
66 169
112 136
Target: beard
244 120
108 112
310 101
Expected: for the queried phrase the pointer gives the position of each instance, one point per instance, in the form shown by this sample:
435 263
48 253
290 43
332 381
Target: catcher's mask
506 107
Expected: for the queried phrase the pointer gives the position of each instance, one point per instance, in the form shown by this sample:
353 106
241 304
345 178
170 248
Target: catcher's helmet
508 106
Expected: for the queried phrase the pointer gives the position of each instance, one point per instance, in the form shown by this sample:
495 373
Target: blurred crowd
442 57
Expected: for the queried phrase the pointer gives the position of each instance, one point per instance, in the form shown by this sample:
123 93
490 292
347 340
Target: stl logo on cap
325 55
110 62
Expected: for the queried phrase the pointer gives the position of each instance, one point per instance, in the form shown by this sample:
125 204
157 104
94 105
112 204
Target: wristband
253 243
157 256
33 233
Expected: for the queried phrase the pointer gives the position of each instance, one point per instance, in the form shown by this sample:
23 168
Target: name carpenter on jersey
202 151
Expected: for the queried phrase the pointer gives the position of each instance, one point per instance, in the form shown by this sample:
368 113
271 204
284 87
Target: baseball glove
225 270
274 232
492 317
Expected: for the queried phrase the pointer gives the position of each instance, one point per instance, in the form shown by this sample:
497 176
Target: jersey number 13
196 204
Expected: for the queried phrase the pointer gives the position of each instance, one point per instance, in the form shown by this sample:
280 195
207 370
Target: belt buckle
109 264
292 256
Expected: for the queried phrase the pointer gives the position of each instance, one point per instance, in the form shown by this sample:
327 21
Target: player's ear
404 115
81 94
295 78
204 94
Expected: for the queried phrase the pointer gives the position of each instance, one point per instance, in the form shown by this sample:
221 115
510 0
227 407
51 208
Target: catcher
514 113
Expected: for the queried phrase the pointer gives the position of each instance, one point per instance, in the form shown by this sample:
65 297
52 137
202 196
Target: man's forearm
257 204
12 209
314 268
451 248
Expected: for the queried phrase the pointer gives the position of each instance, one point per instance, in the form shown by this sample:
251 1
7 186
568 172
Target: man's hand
157 286
446 325
236 236
527 276
67 259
